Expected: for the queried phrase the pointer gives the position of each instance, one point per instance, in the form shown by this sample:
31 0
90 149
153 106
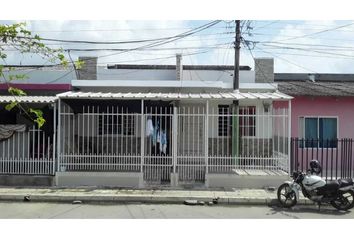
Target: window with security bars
247 120
116 125
319 132
224 123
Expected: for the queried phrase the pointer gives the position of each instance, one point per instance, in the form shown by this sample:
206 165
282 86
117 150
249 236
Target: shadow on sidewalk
313 209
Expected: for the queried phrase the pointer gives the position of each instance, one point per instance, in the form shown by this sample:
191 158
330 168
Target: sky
271 22
297 46
302 36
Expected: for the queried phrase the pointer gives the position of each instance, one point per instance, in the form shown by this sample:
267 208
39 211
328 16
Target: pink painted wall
342 107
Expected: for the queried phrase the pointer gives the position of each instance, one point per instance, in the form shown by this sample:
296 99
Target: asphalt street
36 210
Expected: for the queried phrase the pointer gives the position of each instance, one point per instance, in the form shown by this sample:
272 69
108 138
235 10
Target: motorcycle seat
345 182
331 186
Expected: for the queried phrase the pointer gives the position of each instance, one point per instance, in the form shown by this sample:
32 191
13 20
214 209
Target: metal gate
190 165
158 159
174 142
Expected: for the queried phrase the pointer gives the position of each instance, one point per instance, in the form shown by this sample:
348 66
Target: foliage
39 116
18 37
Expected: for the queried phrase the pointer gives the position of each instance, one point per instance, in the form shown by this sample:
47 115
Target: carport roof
28 99
236 95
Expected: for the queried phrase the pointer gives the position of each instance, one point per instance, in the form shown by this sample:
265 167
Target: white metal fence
29 152
99 139
261 142
187 140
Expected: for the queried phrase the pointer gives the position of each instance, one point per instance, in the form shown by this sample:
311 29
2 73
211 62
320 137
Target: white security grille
28 152
189 140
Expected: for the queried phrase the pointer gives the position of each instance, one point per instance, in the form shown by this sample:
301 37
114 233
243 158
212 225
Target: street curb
144 199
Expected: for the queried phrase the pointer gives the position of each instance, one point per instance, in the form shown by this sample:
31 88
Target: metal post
289 135
54 135
206 135
142 136
59 134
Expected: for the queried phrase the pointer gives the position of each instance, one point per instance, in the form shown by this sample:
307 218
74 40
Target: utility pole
235 119
237 55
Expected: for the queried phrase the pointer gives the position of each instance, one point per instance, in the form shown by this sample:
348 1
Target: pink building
322 112
329 98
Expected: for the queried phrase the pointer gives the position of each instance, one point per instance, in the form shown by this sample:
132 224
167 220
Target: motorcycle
338 193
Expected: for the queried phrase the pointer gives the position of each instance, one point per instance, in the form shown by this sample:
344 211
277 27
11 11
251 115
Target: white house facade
161 125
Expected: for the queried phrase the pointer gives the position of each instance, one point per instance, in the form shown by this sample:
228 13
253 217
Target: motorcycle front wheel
345 201
286 196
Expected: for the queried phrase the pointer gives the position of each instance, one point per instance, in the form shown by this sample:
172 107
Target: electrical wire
118 29
266 25
183 40
163 42
319 32
284 59
150 49
120 42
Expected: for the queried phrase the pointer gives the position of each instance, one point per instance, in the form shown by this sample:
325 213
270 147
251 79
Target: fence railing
262 143
28 152
336 156
187 140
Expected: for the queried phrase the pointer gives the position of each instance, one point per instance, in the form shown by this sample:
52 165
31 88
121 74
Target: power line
304 55
311 37
163 42
319 32
311 50
118 29
64 75
285 60
112 42
151 59
150 49
307 44
266 25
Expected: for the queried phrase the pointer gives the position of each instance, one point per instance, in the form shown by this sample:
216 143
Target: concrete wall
264 69
44 76
89 69
26 180
112 179
156 74
237 181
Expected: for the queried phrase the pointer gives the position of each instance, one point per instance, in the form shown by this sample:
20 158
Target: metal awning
177 96
28 99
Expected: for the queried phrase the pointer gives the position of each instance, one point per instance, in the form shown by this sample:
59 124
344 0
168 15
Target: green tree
17 37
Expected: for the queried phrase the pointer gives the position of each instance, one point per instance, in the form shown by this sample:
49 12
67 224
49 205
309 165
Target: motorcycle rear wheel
286 196
345 201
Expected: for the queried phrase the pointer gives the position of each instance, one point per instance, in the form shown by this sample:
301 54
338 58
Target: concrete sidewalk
90 195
